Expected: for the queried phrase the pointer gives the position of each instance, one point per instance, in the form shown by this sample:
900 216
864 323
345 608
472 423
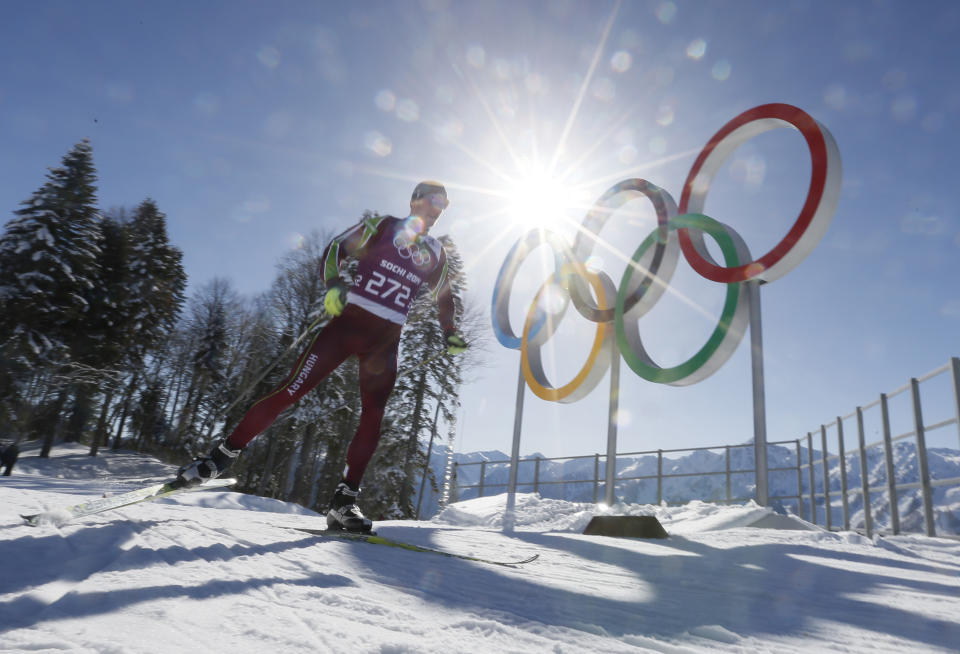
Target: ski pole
432 357
267 369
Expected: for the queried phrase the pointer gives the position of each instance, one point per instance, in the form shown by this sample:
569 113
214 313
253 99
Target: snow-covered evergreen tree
137 300
209 326
48 262
418 392
157 278
48 267
106 335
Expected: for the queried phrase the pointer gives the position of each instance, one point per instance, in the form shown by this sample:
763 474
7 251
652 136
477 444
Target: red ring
813 135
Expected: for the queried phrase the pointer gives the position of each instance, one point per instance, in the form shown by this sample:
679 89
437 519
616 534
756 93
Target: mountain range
701 475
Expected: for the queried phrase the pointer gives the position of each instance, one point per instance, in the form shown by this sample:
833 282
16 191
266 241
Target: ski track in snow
223 572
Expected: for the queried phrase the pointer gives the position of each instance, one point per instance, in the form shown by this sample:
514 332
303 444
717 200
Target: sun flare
538 199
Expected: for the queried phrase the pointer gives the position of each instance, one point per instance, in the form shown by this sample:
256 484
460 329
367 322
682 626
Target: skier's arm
443 296
346 244
350 242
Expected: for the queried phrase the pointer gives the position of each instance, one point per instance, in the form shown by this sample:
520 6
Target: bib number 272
375 286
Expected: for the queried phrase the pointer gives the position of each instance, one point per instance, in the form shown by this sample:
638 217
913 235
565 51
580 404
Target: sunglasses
438 201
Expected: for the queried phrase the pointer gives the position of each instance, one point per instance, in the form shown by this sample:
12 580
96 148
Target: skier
395 256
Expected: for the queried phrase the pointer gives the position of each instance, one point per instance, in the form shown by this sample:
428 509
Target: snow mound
534 513
230 500
531 511
73 461
53 518
698 517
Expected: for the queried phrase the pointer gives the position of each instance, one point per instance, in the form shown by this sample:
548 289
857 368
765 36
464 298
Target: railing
918 430
808 495
599 483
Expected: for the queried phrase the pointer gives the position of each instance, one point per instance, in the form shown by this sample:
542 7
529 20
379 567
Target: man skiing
395 257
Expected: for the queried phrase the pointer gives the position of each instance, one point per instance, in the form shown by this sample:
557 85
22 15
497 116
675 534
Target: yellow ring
542 390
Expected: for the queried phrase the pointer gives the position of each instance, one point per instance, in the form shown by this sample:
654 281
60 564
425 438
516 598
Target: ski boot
207 467
344 514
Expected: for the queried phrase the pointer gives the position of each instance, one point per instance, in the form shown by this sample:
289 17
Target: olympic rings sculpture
617 309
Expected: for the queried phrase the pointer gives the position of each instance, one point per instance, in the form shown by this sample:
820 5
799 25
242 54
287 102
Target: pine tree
106 335
48 262
429 387
157 278
48 267
138 299
209 331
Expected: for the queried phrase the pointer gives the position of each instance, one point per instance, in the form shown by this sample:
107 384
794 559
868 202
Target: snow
220 572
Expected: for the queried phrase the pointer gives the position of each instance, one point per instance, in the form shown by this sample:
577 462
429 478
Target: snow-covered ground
219 572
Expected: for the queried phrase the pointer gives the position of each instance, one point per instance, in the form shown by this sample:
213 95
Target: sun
536 198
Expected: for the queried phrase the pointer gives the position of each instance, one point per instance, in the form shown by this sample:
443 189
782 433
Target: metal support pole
596 478
659 477
888 460
483 473
843 476
955 373
729 494
826 477
509 516
536 476
611 472
813 479
925 487
759 397
864 480
800 511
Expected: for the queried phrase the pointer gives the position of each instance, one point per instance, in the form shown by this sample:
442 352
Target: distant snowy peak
701 475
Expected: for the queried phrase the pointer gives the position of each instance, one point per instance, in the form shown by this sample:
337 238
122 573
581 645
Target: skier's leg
378 372
325 352
328 350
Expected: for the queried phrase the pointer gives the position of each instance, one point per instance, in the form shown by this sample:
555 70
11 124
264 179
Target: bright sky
253 123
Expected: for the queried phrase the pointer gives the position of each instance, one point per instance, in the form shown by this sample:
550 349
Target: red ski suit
394 260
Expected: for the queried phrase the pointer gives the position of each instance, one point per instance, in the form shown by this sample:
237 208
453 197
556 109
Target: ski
375 539
102 504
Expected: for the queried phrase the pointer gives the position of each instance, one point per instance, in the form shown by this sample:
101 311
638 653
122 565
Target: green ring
672 375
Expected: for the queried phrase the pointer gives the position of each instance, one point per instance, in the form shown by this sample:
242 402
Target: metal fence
807 502
890 491
599 483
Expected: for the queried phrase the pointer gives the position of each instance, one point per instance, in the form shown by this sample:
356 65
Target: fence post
483 473
826 478
536 476
888 459
843 476
955 373
800 512
596 478
729 496
659 477
813 479
864 481
925 488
